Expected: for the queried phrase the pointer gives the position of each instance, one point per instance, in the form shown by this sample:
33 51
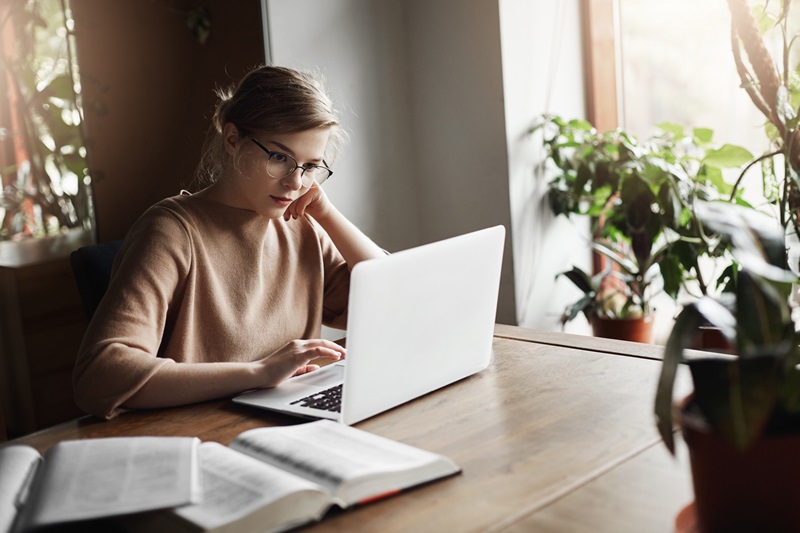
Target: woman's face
249 186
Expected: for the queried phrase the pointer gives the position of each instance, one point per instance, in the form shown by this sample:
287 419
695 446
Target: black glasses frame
272 154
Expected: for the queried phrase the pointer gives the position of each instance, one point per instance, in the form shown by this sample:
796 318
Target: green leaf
582 178
768 14
604 177
580 124
198 21
772 131
762 315
560 202
683 333
59 87
719 312
786 113
75 164
702 135
714 175
758 239
598 201
672 274
676 130
585 305
685 253
728 156
742 202
727 278
737 397
636 199
670 203
63 134
794 99
686 217
581 279
628 266
790 394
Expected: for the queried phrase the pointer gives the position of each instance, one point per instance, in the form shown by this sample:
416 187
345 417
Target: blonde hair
268 100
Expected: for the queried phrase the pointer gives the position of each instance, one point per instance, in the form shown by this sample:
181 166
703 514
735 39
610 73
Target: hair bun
224 103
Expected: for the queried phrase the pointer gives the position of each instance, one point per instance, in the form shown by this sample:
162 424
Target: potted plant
613 301
742 422
640 196
46 190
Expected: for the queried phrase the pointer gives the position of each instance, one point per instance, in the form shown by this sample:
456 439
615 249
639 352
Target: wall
358 47
421 86
542 72
148 94
437 100
459 125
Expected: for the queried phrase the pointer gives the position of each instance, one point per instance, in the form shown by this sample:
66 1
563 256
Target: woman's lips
285 202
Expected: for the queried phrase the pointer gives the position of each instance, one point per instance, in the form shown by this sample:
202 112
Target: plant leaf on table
736 397
758 390
706 310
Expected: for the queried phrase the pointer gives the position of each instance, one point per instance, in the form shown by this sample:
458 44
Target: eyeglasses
282 165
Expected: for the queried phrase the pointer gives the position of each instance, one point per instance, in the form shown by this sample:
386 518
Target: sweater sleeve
119 353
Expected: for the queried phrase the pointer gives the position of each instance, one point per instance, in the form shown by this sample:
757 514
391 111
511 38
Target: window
677 66
46 188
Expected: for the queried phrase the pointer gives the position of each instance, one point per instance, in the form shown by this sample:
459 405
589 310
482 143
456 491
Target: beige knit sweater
198 281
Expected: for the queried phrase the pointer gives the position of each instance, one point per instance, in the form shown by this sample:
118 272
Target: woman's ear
230 137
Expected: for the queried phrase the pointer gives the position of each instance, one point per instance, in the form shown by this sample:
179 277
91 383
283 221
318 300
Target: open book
95 478
273 479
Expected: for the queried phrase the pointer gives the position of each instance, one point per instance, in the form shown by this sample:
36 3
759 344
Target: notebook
417 320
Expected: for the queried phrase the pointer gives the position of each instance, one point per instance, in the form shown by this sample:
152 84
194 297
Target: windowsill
31 251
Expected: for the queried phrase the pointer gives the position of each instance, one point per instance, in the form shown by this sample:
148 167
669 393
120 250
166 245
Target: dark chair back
91 266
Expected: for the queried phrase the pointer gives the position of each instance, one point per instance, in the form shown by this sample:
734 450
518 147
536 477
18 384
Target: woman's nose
294 181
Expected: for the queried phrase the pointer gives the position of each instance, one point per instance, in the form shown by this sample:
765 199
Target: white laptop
417 320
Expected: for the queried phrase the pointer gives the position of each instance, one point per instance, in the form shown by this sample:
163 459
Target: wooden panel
53 398
4 394
597 344
643 494
599 60
148 92
43 327
3 433
47 293
55 348
17 399
555 338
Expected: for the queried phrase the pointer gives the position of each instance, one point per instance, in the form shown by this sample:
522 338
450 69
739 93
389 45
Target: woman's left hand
313 202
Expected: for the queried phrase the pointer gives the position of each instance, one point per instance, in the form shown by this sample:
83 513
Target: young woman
223 291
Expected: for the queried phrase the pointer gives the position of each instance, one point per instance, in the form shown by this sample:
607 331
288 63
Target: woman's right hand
293 359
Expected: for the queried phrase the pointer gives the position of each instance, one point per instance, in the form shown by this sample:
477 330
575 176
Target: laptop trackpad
295 388
326 376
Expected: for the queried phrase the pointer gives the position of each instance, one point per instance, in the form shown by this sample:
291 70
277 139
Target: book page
236 485
18 465
93 478
330 453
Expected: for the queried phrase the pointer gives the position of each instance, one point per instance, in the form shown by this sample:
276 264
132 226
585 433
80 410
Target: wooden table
556 435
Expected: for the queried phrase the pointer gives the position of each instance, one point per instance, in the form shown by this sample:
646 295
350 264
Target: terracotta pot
711 339
754 490
626 329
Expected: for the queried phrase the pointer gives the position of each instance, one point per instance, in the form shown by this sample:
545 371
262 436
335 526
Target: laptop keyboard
326 400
